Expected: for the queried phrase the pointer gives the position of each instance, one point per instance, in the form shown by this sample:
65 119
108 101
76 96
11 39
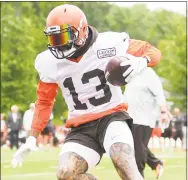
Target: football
114 72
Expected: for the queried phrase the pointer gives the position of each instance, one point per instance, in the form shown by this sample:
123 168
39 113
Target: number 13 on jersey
96 73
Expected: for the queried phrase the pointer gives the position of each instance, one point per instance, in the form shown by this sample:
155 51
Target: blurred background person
27 121
14 123
3 129
185 139
145 98
48 134
62 131
178 123
166 140
28 117
154 142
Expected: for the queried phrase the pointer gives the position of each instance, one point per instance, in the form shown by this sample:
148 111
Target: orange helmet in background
66 29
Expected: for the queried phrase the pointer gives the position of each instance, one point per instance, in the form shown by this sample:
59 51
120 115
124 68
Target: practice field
41 165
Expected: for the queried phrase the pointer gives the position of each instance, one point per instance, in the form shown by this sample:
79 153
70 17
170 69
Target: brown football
114 72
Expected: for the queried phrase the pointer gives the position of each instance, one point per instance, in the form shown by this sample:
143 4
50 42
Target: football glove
137 64
23 151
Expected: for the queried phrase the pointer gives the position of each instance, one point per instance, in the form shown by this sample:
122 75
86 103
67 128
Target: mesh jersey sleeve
143 48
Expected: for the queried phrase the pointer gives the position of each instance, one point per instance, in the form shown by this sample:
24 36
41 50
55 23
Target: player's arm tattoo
73 167
123 158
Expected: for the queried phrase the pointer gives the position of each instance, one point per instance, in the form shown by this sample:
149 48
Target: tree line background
22 38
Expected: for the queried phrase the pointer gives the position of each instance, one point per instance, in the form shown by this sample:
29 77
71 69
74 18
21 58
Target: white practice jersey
27 119
83 84
144 95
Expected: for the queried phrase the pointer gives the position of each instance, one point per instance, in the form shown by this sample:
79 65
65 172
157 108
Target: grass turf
41 165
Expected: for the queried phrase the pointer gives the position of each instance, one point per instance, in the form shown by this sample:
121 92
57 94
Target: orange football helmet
66 29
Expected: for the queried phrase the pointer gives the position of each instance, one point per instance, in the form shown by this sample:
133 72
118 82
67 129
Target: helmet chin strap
70 52
67 53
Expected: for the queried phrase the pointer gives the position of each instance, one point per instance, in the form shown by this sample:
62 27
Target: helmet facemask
63 40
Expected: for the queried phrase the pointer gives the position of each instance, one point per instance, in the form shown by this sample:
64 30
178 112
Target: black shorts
167 133
92 134
178 134
48 130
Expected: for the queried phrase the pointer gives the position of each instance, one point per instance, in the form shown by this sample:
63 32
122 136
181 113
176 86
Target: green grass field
41 165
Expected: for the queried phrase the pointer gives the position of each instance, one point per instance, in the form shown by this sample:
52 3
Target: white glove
137 64
23 151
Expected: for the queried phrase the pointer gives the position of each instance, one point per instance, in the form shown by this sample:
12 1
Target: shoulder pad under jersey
117 40
46 66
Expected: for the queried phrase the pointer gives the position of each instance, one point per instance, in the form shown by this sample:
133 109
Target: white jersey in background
3 125
144 95
27 119
81 82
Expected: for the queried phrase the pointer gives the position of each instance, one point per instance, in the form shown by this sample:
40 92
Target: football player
75 61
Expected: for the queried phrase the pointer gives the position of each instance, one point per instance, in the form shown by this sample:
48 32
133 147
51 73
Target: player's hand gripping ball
114 72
